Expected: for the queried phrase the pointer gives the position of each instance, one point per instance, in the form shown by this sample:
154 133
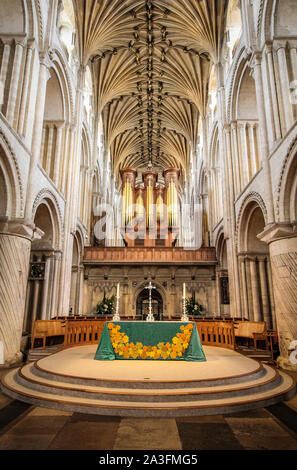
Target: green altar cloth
150 334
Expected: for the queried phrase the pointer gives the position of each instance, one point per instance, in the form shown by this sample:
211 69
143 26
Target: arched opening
288 195
205 210
222 277
11 190
44 268
233 28
84 179
285 18
245 132
66 27
216 190
53 132
76 276
142 303
4 194
256 277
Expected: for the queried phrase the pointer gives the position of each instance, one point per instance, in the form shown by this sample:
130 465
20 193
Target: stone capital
20 228
17 38
227 128
292 44
278 231
279 44
268 48
44 59
256 59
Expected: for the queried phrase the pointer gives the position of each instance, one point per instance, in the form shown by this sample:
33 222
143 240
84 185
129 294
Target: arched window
233 29
66 27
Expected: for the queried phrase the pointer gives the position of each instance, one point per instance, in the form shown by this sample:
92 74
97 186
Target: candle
118 290
184 290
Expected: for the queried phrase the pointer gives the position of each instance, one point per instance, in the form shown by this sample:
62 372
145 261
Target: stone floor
25 427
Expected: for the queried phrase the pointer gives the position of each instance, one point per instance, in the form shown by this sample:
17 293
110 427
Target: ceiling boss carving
151 62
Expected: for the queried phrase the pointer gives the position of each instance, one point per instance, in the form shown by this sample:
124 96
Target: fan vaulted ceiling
151 63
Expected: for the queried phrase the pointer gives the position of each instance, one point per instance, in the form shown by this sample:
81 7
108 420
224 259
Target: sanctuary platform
72 380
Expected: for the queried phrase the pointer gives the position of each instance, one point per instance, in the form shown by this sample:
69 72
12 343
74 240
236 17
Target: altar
142 340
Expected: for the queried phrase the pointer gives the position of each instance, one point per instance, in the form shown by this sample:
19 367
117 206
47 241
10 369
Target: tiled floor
24 427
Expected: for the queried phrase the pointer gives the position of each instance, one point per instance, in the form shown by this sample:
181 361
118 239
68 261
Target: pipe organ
150 209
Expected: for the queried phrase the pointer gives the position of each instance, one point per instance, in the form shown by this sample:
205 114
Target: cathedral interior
148 141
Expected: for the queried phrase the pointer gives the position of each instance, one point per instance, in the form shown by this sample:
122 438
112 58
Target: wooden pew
250 329
46 329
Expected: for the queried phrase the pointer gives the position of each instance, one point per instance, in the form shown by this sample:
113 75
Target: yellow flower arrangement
122 346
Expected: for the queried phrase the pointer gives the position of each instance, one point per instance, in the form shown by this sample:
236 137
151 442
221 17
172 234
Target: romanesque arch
44 271
10 182
255 270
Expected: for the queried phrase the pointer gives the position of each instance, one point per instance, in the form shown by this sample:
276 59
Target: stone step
27 376
285 389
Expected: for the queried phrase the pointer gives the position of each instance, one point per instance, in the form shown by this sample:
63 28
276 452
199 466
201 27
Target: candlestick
184 317
150 316
116 316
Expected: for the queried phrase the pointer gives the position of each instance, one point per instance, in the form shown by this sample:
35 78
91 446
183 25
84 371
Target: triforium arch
254 262
216 176
244 128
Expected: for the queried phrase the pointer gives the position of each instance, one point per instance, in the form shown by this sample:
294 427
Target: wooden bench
47 328
251 330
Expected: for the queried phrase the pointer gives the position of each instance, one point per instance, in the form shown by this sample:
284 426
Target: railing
217 333
143 254
212 333
83 332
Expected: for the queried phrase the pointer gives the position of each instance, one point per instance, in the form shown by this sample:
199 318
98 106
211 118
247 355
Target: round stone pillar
282 240
15 246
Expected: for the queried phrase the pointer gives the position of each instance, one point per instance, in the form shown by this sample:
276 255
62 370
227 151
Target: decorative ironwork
37 271
224 284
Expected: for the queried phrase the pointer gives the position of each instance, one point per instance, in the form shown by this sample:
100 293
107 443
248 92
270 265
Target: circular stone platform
72 380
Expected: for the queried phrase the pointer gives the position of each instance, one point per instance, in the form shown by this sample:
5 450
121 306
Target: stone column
249 289
255 290
293 56
274 99
218 289
37 133
15 246
271 294
79 291
57 163
14 83
36 293
233 273
44 299
236 163
282 240
280 47
27 75
256 65
264 293
49 150
4 69
245 306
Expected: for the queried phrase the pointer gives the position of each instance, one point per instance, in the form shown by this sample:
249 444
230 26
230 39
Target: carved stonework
284 269
36 271
224 285
14 262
